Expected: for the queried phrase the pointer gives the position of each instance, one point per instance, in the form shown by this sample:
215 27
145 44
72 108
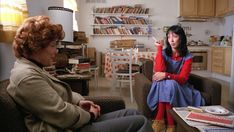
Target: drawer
218 64
218 61
219 58
218 51
217 69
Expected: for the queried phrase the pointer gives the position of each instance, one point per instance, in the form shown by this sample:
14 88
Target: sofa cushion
11 119
147 68
207 98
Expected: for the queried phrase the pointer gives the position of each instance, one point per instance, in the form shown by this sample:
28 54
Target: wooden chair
122 62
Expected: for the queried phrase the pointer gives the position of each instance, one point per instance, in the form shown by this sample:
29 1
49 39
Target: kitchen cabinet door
197 8
221 60
228 61
231 5
218 60
206 8
188 8
221 7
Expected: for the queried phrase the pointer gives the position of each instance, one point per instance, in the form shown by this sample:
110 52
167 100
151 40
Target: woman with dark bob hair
47 103
170 87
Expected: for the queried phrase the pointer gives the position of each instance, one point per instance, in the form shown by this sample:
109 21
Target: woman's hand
159 43
159 76
90 107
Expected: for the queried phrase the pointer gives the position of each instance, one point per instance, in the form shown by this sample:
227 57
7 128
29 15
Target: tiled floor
104 89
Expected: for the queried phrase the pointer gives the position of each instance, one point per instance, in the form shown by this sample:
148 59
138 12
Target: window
72 4
12 14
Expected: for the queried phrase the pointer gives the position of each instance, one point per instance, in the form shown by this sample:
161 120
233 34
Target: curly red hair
34 34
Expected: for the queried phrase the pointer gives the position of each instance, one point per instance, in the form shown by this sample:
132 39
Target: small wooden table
179 114
181 125
78 83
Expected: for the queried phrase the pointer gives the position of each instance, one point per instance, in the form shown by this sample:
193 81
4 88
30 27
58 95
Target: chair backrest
147 68
121 58
11 118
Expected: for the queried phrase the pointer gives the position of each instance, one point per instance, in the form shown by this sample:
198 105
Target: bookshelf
121 21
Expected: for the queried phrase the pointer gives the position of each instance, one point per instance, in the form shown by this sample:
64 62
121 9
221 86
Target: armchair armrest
210 89
140 92
107 103
147 68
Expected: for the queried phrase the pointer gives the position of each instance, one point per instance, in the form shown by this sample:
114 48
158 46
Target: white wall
231 93
6 60
40 7
164 14
159 9
225 25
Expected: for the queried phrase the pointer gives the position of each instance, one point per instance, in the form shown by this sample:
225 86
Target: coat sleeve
159 63
38 97
183 75
76 98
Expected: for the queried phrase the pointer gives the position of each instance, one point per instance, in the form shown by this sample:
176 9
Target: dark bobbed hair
34 34
182 48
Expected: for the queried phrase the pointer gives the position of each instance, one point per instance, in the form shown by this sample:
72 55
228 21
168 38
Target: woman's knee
172 83
132 112
173 86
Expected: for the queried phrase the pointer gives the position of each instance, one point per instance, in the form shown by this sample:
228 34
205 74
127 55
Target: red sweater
181 77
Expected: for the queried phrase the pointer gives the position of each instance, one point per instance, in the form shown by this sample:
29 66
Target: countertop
199 48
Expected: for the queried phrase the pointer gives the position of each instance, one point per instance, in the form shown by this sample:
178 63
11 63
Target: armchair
11 118
210 90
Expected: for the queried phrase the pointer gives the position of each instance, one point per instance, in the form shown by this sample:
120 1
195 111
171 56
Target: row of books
122 9
121 30
120 20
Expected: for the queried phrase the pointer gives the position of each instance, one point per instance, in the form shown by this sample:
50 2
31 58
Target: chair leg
120 83
96 79
131 92
113 82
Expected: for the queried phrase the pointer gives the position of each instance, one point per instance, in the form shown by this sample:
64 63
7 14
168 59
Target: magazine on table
183 112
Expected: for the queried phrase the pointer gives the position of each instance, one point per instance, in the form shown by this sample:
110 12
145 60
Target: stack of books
82 68
78 60
80 64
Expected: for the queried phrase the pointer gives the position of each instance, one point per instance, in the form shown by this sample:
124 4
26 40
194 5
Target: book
83 66
211 119
78 60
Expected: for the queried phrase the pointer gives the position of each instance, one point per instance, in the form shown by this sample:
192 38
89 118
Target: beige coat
48 103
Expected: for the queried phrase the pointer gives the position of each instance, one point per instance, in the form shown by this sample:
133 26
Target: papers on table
182 112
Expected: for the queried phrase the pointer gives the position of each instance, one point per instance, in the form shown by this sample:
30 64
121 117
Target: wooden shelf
120 14
136 35
120 23
129 25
